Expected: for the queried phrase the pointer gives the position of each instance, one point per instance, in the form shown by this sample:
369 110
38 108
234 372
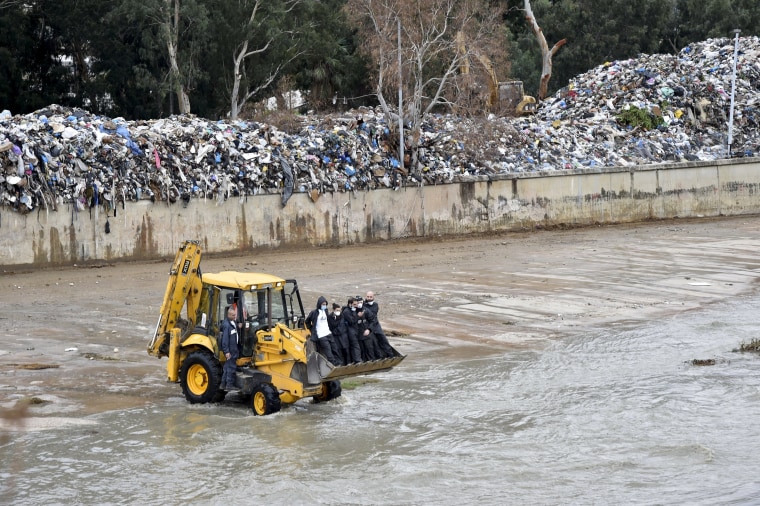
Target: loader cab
261 302
293 304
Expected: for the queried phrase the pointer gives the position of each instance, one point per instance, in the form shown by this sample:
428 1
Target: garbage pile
650 109
653 109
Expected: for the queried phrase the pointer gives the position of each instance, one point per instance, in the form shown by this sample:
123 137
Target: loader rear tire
330 391
199 376
265 399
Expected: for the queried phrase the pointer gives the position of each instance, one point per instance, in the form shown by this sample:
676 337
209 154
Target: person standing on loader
340 340
371 306
316 322
229 347
350 326
367 341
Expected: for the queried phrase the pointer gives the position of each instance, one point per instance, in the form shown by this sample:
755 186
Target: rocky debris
752 346
645 110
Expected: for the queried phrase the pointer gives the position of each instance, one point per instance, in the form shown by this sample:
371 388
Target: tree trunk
171 45
235 104
182 99
546 53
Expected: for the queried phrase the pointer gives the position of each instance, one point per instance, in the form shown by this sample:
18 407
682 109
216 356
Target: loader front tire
199 376
265 399
330 391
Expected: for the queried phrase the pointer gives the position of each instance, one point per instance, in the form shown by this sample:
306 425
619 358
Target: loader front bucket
329 371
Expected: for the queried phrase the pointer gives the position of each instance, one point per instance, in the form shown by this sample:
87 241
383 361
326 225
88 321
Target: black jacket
335 323
370 315
229 342
375 307
350 321
364 321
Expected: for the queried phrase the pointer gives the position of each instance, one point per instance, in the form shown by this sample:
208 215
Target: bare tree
179 26
238 97
174 33
430 56
546 53
170 31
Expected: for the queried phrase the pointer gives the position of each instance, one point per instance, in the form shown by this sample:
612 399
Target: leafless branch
7 4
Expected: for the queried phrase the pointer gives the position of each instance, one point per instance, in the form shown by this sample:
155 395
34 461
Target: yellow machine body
278 364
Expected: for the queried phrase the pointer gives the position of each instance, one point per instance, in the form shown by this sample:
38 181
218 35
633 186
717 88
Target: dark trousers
228 371
325 346
382 343
341 351
354 348
369 348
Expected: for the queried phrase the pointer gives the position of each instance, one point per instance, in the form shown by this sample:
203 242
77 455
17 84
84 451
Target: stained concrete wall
144 230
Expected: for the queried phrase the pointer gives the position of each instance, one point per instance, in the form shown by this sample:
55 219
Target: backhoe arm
184 286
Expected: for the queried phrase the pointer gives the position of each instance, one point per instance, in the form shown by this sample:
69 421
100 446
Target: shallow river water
612 416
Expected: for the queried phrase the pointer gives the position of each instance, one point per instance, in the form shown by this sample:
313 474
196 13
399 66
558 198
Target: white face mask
370 302
360 304
353 308
337 312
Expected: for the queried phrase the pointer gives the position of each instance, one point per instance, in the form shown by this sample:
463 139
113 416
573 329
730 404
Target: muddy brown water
543 368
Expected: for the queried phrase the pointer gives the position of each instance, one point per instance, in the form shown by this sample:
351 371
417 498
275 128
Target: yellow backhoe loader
278 362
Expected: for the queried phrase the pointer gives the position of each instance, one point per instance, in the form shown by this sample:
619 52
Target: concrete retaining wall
144 230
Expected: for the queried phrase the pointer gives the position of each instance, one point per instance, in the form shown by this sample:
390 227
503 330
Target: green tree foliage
17 49
696 20
330 64
173 36
110 56
36 74
76 34
121 64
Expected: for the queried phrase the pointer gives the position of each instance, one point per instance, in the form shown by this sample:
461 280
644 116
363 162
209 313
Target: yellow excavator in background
502 96
278 362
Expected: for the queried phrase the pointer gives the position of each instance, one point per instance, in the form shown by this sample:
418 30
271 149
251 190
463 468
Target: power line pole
400 102
733 90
